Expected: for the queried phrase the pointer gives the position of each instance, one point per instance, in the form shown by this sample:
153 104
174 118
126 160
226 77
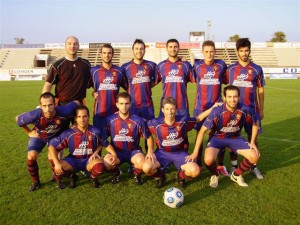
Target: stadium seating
23 58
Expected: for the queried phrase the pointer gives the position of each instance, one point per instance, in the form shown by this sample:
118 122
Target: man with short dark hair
48 122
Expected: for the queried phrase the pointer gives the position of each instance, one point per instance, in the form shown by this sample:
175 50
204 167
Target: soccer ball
173 197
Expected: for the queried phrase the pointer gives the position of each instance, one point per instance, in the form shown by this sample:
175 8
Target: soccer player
174 75
70 75
140 74
85 143
48 121
226 123
209 75
125 130
107 80
171 132
249 77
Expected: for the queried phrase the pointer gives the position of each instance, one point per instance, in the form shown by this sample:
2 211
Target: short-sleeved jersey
71 78
140 79
107 83
209 79
81 144
48 128
171 138
125 134
174 78
248 79
226 124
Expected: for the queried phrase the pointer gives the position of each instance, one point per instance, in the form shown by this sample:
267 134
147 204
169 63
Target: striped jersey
48 128
107 84
174 78
81 145
140 79
171 138
209 79
125 134
248 79
226 124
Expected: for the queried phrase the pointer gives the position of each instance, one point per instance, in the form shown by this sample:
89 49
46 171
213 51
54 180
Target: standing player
140 74
84 144
171 132
249 78
209 75
107 80
174 75
48 121
126 130
226 123
70 75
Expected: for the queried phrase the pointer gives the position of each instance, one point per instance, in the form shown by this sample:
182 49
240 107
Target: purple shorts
146 113
233 143
36 144
166 158
77 164
125 156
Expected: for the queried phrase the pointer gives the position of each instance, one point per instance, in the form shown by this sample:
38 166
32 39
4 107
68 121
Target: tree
278 36
19 41
234 38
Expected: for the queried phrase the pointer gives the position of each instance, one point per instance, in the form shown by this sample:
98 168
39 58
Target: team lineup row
127 117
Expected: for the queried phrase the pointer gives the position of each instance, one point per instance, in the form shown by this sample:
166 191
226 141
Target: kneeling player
171 132
125 130
84 143
226 123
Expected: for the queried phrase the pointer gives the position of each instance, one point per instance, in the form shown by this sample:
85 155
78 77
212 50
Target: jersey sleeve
29 117
60 142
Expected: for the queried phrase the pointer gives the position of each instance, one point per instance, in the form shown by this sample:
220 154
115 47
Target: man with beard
249 77
107 80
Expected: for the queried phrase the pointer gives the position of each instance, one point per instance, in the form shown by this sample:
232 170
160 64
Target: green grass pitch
274 200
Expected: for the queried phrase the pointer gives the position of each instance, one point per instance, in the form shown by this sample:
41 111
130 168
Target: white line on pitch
282 140
283 89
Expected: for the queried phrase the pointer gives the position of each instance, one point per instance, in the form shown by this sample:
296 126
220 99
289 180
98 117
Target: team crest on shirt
114 73
90 137
179 66
58 122
146 67
129 125
250 72
178 128
238 116
215 68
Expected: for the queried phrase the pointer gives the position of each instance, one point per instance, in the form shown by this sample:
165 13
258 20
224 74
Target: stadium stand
18 58
267 57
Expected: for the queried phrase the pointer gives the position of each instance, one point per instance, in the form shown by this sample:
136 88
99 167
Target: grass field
274 200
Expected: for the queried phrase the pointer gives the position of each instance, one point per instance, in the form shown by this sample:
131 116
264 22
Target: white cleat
239 180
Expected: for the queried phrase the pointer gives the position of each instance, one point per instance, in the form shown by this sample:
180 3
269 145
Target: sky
40 22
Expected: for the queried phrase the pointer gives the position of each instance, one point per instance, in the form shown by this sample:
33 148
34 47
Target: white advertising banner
28 77
25 72
4 75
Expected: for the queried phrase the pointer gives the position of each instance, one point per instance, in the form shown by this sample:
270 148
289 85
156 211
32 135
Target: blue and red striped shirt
48 128
81 144
209 80
171 138
248 79
107 84
226 124
140 78
126 134
174 78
